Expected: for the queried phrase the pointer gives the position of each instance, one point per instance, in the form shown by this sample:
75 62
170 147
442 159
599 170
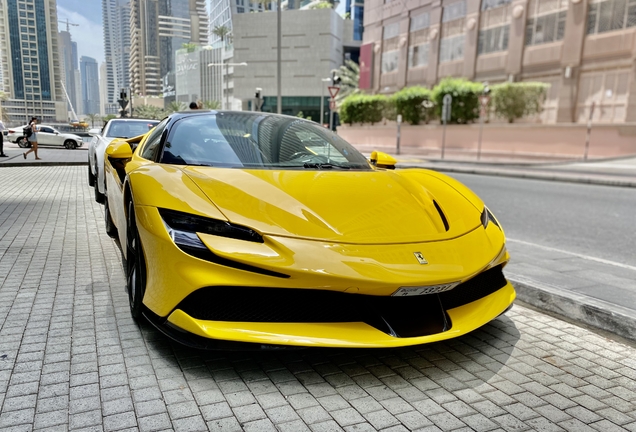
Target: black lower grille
400 316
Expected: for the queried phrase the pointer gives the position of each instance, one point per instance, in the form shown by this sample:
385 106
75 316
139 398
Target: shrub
465 104
410 103
362 108
515 100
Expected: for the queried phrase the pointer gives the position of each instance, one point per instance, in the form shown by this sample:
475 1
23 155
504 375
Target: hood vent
441 215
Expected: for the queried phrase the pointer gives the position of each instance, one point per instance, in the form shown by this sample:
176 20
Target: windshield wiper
324 165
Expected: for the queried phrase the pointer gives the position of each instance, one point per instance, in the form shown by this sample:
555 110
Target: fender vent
441 215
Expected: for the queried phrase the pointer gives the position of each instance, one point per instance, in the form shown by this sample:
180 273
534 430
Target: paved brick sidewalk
71 358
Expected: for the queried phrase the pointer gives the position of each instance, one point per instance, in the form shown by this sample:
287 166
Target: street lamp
322 99
227 80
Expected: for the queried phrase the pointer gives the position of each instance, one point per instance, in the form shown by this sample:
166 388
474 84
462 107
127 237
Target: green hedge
515 100
465 104
414 104
362 108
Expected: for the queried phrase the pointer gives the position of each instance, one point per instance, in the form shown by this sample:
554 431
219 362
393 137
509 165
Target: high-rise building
116 19
103 90
194 80
90 85
68 66
30 61
158 28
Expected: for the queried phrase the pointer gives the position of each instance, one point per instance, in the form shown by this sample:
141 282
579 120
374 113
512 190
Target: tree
175 106
349 74
515 100
109 117
222 32
189 47
149 112
322 5
92 118
212 104
3 113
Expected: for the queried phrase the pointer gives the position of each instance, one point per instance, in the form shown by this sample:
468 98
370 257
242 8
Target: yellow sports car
271 230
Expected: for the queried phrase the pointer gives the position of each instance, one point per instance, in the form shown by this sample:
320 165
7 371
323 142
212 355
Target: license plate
424 290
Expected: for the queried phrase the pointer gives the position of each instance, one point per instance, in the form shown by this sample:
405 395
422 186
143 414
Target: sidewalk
595 292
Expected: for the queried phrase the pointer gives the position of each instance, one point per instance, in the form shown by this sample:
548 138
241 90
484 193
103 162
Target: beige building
585 49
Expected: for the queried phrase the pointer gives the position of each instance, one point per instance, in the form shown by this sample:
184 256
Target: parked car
115 128
271 230
47 136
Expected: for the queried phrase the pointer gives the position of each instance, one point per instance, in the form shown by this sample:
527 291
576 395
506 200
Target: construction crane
68 24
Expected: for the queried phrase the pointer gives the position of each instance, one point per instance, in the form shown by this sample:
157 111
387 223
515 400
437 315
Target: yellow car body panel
344 335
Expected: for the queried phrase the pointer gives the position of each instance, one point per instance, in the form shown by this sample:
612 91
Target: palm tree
211 104
149 112
221 31
92 118
3 113
349 74
175 106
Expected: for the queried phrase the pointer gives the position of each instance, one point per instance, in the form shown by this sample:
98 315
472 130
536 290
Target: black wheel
91 177
23 143
111 229
135 265
68 144
99 197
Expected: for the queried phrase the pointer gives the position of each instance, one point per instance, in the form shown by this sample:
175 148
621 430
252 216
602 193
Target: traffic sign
332 104
333 91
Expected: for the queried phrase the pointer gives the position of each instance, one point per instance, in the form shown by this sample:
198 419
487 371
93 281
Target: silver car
47 136
115 128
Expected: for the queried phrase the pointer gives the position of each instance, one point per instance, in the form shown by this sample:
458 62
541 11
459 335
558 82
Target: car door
46 135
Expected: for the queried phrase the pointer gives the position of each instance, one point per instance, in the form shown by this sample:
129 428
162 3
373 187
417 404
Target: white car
47 136
115 128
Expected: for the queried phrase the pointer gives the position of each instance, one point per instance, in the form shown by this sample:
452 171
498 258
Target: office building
68 66
116 20
158 28
585 50
30 61
314 43
90 85
193 79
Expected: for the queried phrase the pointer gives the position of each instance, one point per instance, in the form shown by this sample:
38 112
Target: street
71 357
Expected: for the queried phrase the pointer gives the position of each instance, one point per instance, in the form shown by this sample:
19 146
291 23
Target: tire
135 265
99 197
91 177
23 143
111 229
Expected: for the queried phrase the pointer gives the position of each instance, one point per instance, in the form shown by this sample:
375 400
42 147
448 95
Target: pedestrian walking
2 129
32 138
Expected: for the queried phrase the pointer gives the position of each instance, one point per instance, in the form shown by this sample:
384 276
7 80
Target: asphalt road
595 221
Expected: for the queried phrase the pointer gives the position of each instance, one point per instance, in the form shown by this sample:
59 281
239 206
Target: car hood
363 207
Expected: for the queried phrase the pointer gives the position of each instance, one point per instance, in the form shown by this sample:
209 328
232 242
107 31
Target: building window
454 11
611 15
545 29
418 55
420 22
493 40
389 61
391 31
492 4
451 48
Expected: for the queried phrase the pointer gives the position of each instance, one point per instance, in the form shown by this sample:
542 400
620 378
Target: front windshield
256 140
129 128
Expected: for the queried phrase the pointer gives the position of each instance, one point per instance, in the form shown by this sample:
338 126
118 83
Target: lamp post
322 99
279 98
227 80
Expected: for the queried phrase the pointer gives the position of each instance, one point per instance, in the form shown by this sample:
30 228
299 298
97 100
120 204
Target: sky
89 34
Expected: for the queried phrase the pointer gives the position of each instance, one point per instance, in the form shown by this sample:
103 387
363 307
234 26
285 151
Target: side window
47 130
152 142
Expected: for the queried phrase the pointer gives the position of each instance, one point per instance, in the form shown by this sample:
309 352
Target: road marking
587 257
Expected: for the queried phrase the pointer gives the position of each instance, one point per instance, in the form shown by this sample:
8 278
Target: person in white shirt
2 129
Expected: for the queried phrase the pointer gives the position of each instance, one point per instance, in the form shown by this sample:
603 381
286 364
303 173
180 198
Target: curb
47 164
583 309
534 176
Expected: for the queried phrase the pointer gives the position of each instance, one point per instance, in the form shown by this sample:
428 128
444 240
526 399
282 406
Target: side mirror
119 149
382 160
94 132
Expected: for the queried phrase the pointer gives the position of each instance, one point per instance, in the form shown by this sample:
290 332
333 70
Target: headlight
183 229
487 216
